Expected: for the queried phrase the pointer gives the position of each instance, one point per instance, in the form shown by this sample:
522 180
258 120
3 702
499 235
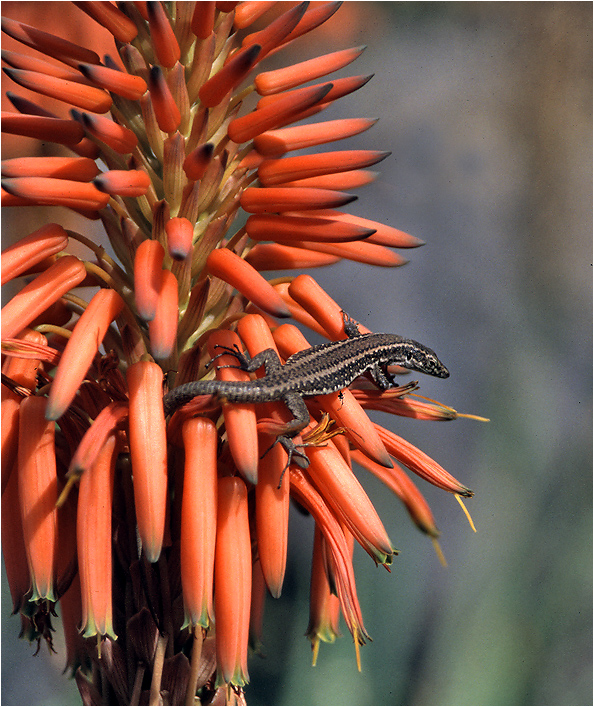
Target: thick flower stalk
157 535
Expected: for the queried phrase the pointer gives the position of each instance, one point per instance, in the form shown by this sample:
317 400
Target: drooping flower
181 144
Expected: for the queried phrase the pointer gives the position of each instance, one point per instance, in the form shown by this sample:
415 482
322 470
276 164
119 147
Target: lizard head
421 358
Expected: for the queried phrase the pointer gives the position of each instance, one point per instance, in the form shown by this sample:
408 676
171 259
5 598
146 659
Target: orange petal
203 19
384 235
148 263
246 13
56 47
248 126
180 234
313 18
296 74
233 579
148 450
124 182
46 191
118 137
38 493
64 132
283 228
162 35
318 303
276 31
114 20
80 169
228 266
199 520
77 94
122 83
271 199
47 288
163 328
231 75
14 552
30 63
272 516
419 462
340 181
240 418
272 172
345 495
344 576
83 344
396 480
274 256
275 143
95 437
359 251
324 607
95 500
166 112
198 160
32 249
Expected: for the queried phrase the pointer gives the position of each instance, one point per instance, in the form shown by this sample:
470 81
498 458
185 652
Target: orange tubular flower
80 350
174 134
148 450
95 498
38 493
233 580
199 520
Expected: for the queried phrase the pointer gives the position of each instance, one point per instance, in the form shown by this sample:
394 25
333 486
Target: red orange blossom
156 538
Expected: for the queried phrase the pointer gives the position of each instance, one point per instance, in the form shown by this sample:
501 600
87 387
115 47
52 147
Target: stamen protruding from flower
87 335
148 450
40 293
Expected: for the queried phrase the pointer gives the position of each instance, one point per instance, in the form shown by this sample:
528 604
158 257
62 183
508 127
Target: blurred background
486 108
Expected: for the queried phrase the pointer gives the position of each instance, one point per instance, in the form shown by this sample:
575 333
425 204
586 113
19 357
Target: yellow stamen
466 513
439 552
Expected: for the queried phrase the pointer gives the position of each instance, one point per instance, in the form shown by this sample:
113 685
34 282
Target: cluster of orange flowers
158 537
